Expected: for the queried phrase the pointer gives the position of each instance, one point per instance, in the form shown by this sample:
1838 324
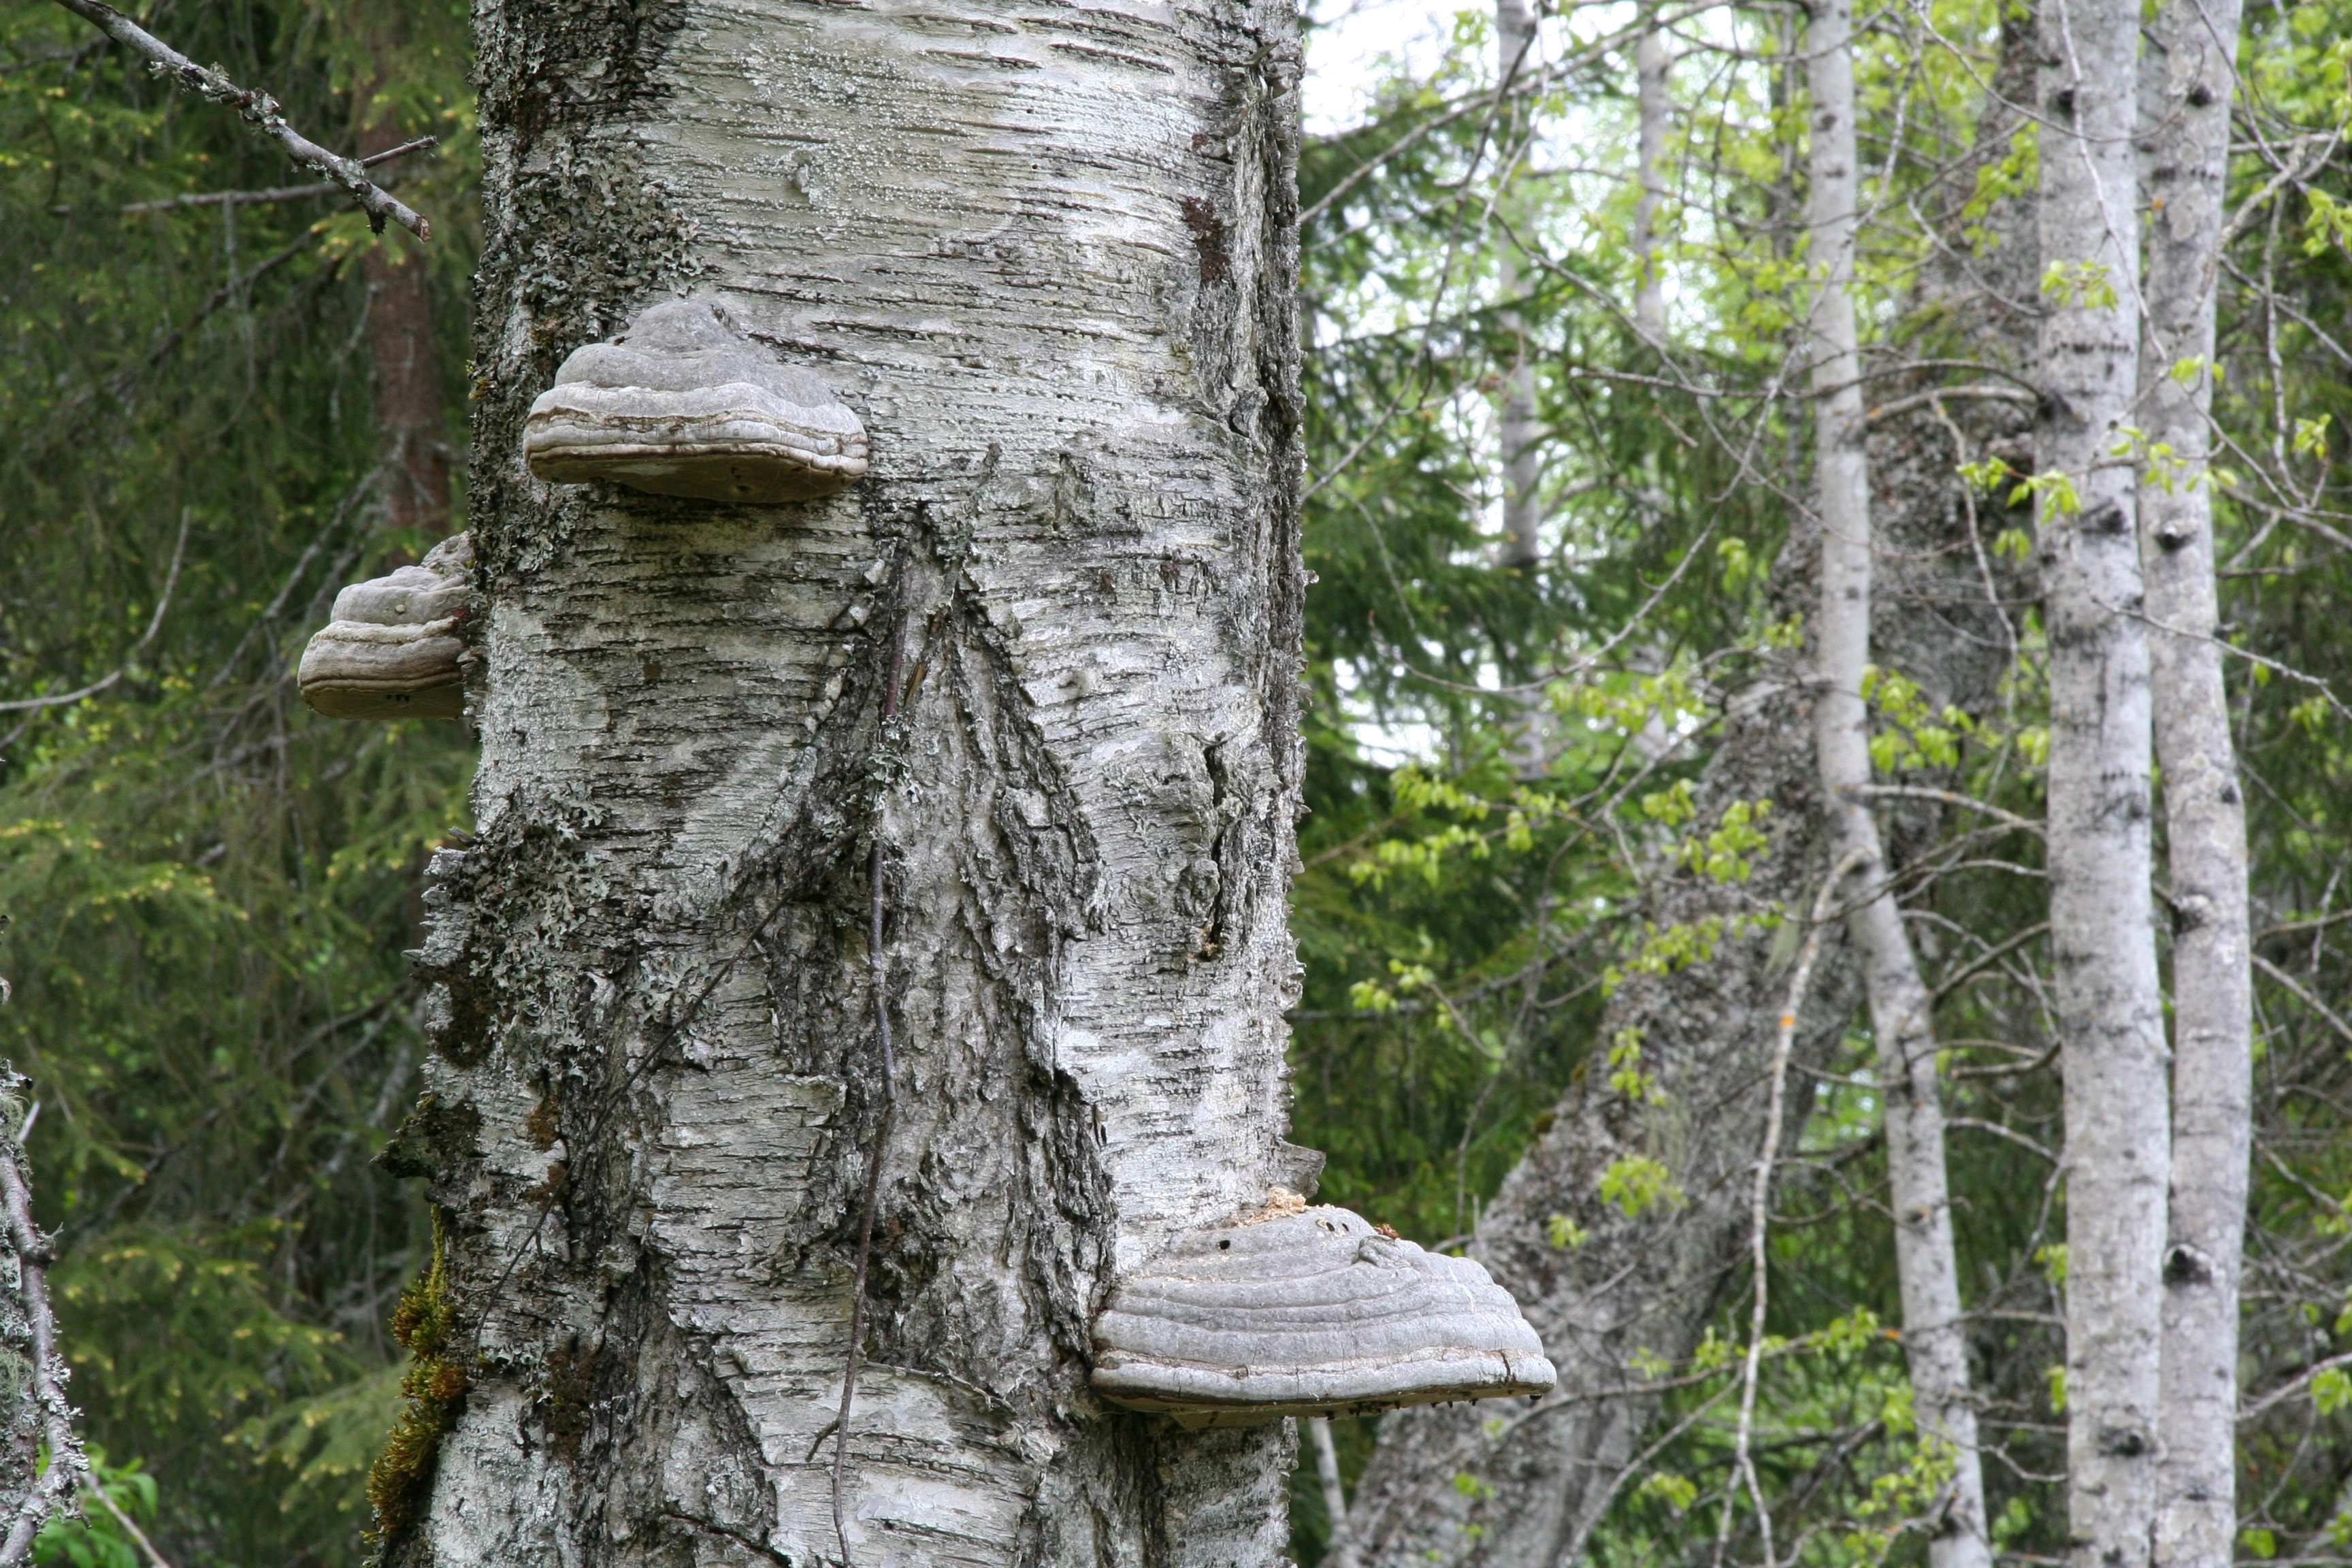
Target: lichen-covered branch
257 108
28 1329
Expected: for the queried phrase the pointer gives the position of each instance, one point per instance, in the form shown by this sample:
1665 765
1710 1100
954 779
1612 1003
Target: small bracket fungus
392 651
684 404
1308 1312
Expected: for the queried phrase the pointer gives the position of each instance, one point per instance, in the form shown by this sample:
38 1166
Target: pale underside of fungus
682 403
392 649
1311 1311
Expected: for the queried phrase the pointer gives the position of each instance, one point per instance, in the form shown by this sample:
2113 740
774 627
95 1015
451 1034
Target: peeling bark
1049 258
2102 939
2192 58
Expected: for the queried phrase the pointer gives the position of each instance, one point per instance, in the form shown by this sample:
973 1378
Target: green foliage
96 1539
210 888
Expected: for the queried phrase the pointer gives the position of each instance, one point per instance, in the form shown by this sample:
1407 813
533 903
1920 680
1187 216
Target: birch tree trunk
1934 1346
1519 431
1651 109
2102 938
2205 824
1049 258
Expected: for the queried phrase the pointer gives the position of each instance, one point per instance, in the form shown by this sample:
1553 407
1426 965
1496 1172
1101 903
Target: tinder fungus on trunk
392 651
1310 1312
684 404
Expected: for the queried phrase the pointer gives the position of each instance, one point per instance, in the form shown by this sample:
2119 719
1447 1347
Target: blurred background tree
220 403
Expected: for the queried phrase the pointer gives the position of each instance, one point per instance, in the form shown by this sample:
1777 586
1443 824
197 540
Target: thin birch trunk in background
1327 1471
1650 163
1624 1288
1519 431
2102 937
1934 1346
2193 50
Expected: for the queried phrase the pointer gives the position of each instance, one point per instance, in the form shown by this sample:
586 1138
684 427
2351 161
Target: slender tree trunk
1650 166
2102 937
1049 257
412 415
1647 1285
1631 1285
1934 1346
1520 430
2205 824
1327 1471
1650 1284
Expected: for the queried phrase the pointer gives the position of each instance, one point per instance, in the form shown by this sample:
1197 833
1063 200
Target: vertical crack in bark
648 983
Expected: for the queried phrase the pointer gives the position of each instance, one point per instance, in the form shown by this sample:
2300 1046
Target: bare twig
274 193
257 108
1743 1463
2304 997
1951 797
154 623
1934 395
92 1488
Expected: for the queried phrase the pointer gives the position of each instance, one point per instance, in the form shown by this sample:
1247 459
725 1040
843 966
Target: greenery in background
211 888
1460 917
210 885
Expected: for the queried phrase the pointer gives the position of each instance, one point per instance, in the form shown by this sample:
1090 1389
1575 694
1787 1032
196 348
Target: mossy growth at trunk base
434 1390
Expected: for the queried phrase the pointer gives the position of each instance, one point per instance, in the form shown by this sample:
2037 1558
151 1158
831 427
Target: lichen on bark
647 977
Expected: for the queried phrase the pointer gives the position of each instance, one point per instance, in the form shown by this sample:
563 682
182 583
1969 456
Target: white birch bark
1519 431
2102 938
1327 1472
1651 109
1934 1346
1049 258
2193 59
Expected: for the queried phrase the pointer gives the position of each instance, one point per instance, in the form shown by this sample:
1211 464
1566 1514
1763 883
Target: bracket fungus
1309 1311
392 650
682 403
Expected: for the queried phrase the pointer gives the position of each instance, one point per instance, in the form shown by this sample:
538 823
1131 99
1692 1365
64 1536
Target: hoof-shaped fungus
684 404
393 649
1309 1311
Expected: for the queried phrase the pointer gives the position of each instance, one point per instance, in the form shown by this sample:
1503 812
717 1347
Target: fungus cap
392 650
682 403
1311 1311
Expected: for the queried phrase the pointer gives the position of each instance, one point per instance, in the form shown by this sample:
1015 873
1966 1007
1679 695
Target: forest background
1558 505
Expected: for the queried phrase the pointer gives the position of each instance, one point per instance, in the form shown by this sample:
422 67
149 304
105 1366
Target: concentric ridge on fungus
392 650
1311 1311
684 404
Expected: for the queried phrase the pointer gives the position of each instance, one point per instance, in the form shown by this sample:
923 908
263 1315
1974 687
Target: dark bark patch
432 1141
2123 1443
1209 238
